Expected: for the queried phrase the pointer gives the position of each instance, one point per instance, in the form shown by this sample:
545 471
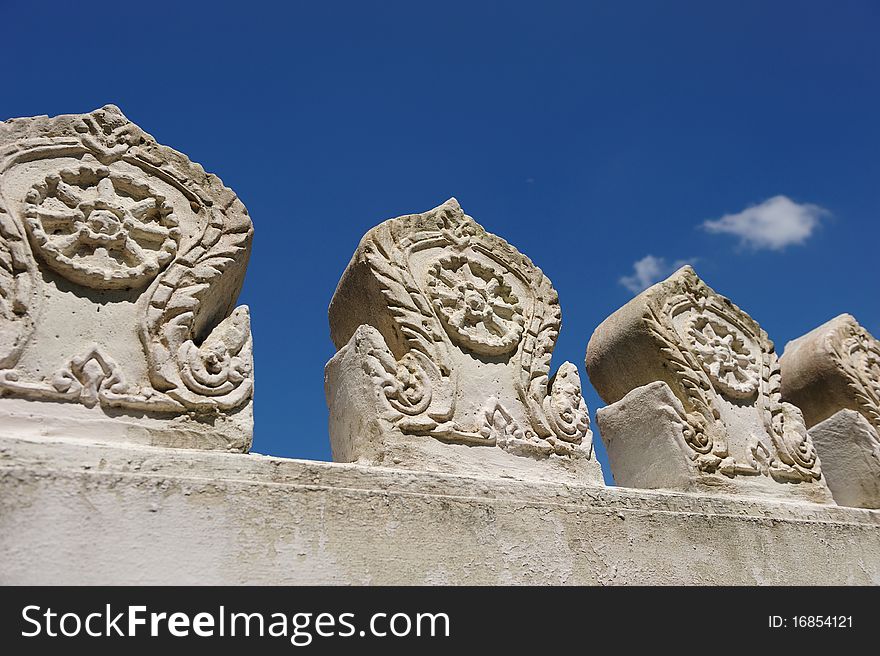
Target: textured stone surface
653 459
728 432
76 513
120 263
445 334
850 458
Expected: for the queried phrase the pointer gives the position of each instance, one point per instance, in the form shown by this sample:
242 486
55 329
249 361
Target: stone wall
72 512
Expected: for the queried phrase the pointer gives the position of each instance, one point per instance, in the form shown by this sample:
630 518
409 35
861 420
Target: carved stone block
832 367
850 451
445 334
120 264
833 374
693 384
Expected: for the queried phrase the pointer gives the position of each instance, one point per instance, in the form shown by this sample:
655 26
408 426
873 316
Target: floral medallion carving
476 305
101 229
726 356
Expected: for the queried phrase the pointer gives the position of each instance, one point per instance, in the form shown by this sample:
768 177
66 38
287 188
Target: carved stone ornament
833 367
445 334
694 388
833 374
120 263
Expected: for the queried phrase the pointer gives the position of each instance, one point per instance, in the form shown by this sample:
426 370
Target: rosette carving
101 229
726 356
475 304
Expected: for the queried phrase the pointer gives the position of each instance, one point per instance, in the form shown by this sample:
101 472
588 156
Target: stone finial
833 374
833 367
120 263
445 334
693 384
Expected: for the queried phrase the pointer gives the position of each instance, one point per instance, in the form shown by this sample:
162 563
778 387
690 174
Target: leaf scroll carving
17 286
857 354
215 373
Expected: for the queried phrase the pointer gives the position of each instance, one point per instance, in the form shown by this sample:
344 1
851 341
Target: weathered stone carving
834 366
693 384
475 304
833 374
101 229
120 262
445 334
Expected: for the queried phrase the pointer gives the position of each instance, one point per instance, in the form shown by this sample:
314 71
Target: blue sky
742 136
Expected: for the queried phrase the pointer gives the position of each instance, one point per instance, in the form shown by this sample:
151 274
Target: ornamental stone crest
833 374
445 334
120 261
694 388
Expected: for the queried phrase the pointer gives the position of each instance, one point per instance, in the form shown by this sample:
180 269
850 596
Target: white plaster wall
73 513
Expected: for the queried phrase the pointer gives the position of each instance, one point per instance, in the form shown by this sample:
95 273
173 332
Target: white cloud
774 224
649 270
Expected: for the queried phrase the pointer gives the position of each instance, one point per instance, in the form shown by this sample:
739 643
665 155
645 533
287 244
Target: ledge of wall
78 513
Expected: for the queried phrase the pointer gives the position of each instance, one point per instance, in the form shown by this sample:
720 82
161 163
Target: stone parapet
77 513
